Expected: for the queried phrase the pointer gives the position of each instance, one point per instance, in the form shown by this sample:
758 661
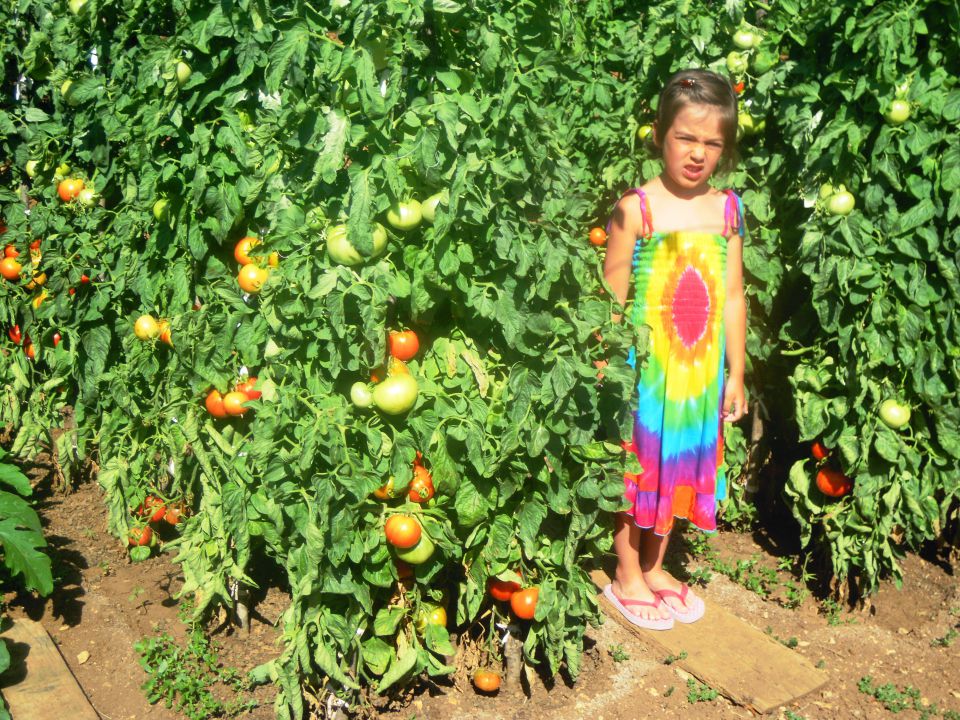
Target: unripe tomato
819 450
38 299
405 215
183 72
644 132
396 395
419 553
248 388
31 168
233 403
241 251
764 61
404 345
166 332
69 92
60 172
402 531
360 395
251 278
898 112
385 491
428 208
214 404
841 203
894 414
69 189
273 259
87 197
421 487
486 681
833 483
146 327
38 280
161 210
736 63
744 39
10 268
598 236
430 615
827 191
76 6
524 603
342 251
502 590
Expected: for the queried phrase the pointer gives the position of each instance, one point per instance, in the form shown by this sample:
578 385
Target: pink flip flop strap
681 596
645 603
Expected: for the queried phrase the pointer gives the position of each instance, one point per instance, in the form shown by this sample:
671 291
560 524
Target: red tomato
598 236
524 603
402 531
174 512
486 681
140 535
69 189
819 450
153 508
56 339
502 590
233 403
214 403
10 268
421 487
738 88
15 335
404 345
84 279
247 388
833 483
10 251
30 350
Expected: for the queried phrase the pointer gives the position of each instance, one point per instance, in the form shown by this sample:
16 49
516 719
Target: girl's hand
734 401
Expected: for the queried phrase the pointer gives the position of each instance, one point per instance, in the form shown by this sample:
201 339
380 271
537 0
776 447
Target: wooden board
731 656
46 686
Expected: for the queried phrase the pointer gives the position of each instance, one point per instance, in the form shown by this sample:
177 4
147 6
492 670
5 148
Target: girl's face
692 146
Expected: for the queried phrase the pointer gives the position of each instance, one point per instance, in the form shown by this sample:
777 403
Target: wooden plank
39 684
731 656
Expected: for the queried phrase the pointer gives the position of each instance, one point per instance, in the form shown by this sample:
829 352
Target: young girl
677 243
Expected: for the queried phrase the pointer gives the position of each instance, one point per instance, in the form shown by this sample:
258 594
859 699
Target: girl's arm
735 325
624 229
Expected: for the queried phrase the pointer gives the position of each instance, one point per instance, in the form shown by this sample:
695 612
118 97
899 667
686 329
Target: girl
677 242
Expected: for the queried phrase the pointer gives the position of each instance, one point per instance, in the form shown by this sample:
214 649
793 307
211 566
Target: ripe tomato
486 681
894 414
404 570
832 482
419 553
69 188
174 512
15 335
165 332
247 387
214 404
396 395
405 215
251 278
56 339
153 508
840 203
404 345
233 403
10 252
819 450
385 491
140 536
598 236
738 88
524 603
421 487
10 268
241 251
146 327
84 279
29 350
402 531
502 590
898 112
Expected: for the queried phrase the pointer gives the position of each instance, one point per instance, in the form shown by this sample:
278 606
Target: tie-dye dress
679 288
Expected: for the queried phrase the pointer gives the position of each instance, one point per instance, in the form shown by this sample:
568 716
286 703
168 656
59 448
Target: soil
104 604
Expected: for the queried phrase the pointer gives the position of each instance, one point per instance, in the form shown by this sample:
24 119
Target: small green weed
669 691
618 654
946 640
821 664
793 716
701 576
182 677
698 692
791 643
831 608
890 697
671 659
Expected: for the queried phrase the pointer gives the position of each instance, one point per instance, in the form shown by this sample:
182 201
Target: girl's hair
701 87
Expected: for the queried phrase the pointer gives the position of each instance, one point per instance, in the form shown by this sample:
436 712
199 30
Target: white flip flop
648 623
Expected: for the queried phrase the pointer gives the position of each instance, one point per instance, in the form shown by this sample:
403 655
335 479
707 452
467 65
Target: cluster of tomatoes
252 274
152 511
233 403
147 327
397 393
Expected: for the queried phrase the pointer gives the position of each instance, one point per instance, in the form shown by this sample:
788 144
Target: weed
671 659
669 691
831 608
791 643
699 546
617 653
701 576
946 640
792 716
182 677
821 664
892 699
699 692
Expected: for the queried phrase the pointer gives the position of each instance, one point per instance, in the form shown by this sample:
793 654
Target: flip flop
695 608
648 623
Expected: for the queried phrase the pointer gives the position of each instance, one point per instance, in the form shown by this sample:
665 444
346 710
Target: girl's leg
628 581
653 548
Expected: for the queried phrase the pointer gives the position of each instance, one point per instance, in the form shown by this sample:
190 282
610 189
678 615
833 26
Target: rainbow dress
679 288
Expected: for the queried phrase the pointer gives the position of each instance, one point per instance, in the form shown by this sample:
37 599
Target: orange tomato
486 681
502 590
251 278
402 531
69 189
524 603
421 487
10 251
241 251
598 236
833 483
247 387
214 403
166 331
233 403
404 345
385 491
10 268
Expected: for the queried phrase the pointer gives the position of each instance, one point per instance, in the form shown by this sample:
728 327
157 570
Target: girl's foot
685 606
639 591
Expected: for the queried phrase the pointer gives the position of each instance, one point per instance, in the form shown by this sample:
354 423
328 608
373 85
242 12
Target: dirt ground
104 604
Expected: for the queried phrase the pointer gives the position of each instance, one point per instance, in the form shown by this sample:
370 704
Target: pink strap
645 603
647 219
681 596
732 214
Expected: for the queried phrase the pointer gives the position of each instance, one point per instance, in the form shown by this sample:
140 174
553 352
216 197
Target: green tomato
405 215
429 206
76 6
419 553
315 218
183 72
360 395
764 61
744 39
644 132
841 203
396 395
736 63
826 191
87 197
68 92
746 123
161 209
61 171
894 414
898 112
31 168
342 252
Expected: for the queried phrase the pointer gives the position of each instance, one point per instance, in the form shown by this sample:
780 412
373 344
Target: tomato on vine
502 590
523 603
421 487
214 404
402 531
819 450
69 189
251 278
833 483
233 403
598 236
10 268
404 345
